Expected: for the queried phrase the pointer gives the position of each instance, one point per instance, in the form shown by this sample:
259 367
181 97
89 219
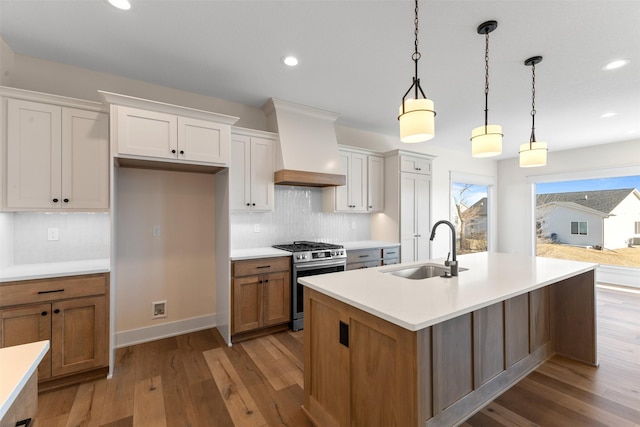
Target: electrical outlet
155 231
158 309
256 228
52 234
353 225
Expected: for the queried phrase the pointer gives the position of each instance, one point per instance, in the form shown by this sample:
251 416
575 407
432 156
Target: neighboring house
605 218
474 218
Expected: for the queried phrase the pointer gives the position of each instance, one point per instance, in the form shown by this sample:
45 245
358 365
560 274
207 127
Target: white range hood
307 153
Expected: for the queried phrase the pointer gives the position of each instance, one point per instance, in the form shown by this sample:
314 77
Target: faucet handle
447 262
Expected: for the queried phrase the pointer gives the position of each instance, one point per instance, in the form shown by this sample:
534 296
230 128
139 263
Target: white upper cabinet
415 196
57 156
361 194
154 134
166 136
251 170
415 164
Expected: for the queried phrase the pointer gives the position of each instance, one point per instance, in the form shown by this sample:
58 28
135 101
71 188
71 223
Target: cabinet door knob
55 200
44 313
173 151
370 207
66 200
253 204
248 204
56 311
181 151
266 281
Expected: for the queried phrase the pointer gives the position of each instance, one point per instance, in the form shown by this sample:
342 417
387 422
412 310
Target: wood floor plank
120 389
88 405
277 364
148 409
240 404
209 404
506 417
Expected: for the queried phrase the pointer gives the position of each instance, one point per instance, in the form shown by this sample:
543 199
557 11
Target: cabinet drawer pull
44 313
66 200
264 266
50 292
55 200
56 311
391 253
364 256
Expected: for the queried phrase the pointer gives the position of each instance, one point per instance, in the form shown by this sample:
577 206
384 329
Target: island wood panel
327 383
516 328
339 390
574 318
381 350
488 343
452 353
25 405
539 317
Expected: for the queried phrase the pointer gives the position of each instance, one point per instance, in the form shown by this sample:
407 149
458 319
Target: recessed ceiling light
607 115
291 61
120 4
618 63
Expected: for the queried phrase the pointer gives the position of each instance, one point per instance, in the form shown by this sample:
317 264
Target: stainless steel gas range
309 259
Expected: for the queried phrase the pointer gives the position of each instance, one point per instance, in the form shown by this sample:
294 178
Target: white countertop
53 269
417 304
368 244
17 364
240 254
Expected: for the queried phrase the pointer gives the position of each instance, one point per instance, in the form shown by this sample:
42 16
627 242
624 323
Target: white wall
515 189
177 266
558 220
39 75
446 162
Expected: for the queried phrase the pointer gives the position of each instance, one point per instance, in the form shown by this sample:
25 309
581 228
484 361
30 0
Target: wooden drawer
42 290
363 255
260 266
388 253
366 264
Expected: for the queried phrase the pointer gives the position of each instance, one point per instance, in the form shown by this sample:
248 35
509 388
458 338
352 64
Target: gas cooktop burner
304 246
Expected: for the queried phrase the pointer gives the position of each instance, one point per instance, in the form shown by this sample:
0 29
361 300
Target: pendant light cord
416 54
486 81
532 139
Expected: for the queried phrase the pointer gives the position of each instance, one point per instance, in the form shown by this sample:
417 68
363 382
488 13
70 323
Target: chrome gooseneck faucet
454 261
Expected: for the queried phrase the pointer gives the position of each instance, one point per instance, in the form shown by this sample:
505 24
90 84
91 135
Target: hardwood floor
196 380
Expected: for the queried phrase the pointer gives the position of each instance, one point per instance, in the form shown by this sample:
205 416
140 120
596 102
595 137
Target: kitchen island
387 350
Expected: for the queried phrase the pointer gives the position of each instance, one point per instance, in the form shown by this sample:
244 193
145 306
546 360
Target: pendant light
416 114
486 141
533 153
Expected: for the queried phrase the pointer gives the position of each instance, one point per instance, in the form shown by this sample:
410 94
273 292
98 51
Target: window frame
578 231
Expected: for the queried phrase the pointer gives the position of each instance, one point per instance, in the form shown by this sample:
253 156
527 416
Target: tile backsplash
81 236
297 215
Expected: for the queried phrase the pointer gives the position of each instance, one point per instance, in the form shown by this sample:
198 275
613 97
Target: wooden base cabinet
363 370
69 312
261 294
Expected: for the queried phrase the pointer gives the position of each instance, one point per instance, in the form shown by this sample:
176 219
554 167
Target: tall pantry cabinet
408 203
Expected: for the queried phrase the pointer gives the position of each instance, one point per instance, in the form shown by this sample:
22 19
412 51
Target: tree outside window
469 215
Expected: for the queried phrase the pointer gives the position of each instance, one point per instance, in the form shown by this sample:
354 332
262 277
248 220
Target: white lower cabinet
251 170
57 156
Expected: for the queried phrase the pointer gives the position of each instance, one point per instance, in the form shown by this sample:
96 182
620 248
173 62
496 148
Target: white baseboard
164 330
625 276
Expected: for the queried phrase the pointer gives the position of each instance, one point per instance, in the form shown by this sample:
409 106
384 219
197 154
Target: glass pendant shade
533 154
417 124
486 141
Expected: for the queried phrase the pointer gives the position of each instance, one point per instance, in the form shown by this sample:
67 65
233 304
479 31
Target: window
469 215
579 227
637 228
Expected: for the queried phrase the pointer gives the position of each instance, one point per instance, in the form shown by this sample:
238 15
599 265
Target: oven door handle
315 265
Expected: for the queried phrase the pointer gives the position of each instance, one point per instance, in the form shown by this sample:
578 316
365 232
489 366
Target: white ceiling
355 58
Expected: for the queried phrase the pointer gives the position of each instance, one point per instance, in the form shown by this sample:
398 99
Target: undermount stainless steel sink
424 271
